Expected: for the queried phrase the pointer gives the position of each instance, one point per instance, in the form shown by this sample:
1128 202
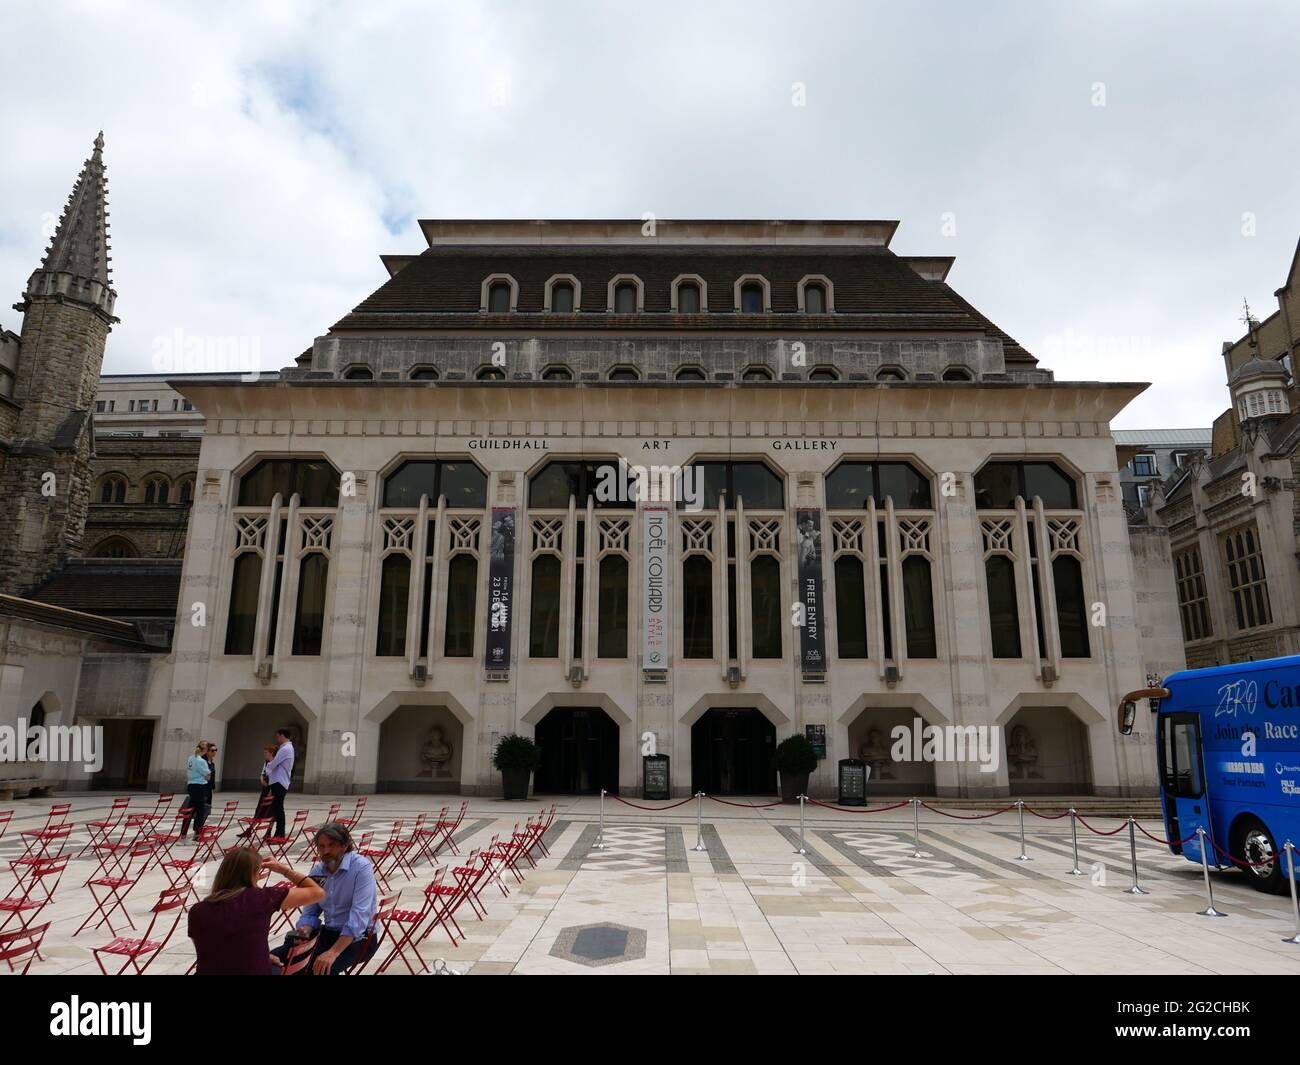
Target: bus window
1182 758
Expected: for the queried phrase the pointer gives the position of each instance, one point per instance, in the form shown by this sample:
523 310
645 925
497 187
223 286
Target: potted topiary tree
795 758
516 757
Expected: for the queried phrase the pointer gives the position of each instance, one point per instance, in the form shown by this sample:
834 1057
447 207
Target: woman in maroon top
231 926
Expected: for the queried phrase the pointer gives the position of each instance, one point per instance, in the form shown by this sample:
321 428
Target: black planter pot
514 783
793 785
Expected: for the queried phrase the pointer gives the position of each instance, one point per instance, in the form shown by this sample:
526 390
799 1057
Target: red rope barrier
1046 817
1239 862
964 817
1097 831
1166 842
745 805
652 809
858 809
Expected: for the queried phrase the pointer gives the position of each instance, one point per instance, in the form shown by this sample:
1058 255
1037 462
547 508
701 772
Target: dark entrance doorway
579 752
731 753
127 748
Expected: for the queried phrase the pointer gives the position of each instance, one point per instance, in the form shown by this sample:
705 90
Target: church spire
76 264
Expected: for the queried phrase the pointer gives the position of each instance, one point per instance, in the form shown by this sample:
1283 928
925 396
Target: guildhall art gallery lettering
745 481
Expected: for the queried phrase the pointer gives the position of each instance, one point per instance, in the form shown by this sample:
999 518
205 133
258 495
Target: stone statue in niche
1022 754
876 754
435 754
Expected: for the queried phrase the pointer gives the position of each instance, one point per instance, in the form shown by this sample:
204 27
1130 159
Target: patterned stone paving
856 901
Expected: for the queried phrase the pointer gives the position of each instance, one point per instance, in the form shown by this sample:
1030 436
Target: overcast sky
1119 177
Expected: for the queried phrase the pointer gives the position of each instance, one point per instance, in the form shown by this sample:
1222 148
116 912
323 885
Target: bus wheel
1254 844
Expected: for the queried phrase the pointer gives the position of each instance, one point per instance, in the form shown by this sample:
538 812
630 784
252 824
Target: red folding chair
378 929
167 840
309 835
449 830
183 871
170 901
285 918
299 957
503 856
35 838
279 845
379 856
227 815
545 820
258 828
405 925
350 823
143 821
472 877
5 817
401 850
446 899
100 831
427 837
22 943
116 886
53 844
519 841
263 809
37 892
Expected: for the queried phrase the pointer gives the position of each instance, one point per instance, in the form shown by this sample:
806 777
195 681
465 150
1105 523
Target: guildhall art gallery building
878 508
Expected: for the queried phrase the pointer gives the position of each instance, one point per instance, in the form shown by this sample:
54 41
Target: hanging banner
501 566
656 596
812 634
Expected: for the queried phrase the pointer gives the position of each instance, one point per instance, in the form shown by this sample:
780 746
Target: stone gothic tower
45 472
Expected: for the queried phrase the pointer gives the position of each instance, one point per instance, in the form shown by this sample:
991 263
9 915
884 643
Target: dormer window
499 294
956 373
358 373
490 373
889 373
557 373
625 298
690 373
563 294
424 373
823 373
816 295
751 298
689 294
756 373
624 373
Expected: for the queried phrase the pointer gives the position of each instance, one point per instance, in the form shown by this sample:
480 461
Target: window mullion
744 608
871 575
437 595
1047 582
568 585
270 549
721 595
590 587
415 587
1026 592
897 607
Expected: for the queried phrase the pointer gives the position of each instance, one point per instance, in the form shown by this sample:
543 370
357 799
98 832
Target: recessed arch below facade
588 742
1048 747
417 741
251 718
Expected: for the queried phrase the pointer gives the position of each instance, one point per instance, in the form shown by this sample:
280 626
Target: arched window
625 298
315 480
156 489
754 482
115 547
1004 608
756 373
562 294
690 373
689 294
394 591
185 490
424 373
462 482
490 373
824 373
359 373
112 488
624 373
309 614
956 373
551 486
851 484
752 298
241 621
850 607
557 373
544 611
462 592
998 483
499 296
889 373
697 607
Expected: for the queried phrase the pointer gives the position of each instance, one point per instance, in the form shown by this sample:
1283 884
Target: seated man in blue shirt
348 910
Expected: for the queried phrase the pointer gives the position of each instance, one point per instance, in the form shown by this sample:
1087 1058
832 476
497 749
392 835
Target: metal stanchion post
800 849
1074 838
1133 857
1290 868
916 829
1023 857
699 822
1209 910
599 845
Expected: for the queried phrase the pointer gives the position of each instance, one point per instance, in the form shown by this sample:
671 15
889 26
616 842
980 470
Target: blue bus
1228 750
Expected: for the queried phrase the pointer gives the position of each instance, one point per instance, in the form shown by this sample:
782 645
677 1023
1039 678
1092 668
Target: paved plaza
857 902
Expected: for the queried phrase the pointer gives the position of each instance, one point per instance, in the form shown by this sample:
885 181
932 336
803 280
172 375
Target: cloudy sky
1113 178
